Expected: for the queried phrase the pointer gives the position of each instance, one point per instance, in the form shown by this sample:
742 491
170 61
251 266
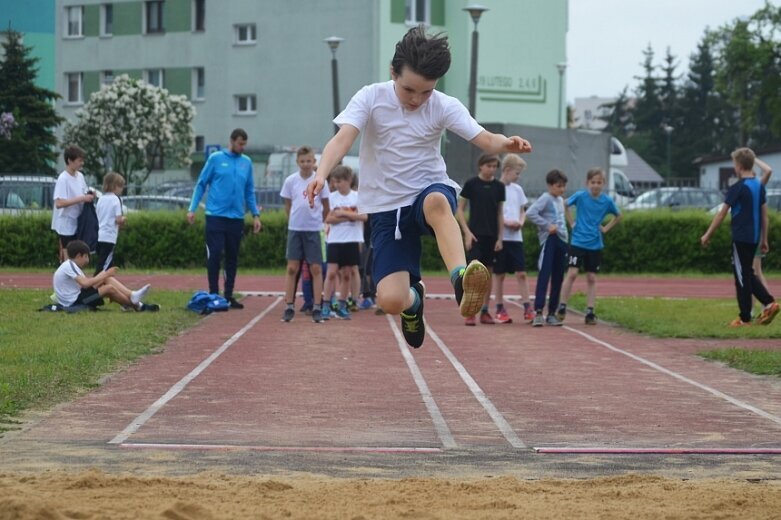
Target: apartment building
264 65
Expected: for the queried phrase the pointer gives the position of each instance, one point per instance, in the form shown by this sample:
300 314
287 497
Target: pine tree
31 148
648 138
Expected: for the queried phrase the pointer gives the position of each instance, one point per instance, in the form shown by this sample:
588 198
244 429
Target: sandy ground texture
94 494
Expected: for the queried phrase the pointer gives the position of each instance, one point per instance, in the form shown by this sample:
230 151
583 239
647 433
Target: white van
618 186
282 164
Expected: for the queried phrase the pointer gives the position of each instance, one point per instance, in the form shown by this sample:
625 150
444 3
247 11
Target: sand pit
94 494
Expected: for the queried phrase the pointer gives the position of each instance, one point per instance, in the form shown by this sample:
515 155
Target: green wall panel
437 12
177 15
91 84
179 81
398 11
127 18
134 74
91 20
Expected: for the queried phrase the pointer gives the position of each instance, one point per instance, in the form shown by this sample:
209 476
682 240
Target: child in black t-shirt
482 234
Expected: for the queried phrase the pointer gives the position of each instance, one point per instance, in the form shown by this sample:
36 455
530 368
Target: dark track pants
746 282
551 265
222 234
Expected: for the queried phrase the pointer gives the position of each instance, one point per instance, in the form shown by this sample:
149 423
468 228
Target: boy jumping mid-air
405 188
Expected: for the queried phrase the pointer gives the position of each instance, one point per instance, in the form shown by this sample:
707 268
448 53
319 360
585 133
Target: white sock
137 296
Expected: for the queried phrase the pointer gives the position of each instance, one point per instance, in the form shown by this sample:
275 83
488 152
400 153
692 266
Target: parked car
156 203
677 198
24 193
269 198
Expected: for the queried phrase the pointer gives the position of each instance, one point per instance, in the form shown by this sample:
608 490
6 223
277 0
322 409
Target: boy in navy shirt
746 202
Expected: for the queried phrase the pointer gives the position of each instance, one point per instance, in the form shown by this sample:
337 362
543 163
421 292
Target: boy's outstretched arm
333 153
767 171
498 143
714 225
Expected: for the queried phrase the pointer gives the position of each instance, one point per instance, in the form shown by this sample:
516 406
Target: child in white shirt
110 219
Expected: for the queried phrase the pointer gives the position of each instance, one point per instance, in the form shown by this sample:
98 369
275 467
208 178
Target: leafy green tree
31 146
128 125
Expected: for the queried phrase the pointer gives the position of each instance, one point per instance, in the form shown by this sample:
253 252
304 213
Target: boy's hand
705 240
89 197
764 247
518 144
515 225
112 270
190 217
469 240
498 245
313 189
552 229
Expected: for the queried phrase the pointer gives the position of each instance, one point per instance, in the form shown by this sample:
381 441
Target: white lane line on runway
489 407
680 377
445 437
139 421
239 447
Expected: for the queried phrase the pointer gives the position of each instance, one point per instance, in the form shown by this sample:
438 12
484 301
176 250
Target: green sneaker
412 325
471 287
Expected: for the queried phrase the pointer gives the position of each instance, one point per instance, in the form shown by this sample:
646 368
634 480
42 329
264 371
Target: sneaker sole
476 283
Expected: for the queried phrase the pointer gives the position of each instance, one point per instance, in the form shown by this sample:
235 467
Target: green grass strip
50 357
677 317
760 362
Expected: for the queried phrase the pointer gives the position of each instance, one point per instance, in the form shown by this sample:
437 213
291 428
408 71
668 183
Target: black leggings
746 282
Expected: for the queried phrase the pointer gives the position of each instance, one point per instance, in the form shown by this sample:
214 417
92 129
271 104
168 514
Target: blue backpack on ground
205 303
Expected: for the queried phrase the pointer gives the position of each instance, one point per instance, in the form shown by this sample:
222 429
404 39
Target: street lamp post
669 131
475 11
333 43
562 67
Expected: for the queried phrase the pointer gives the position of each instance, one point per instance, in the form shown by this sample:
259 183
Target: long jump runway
244 380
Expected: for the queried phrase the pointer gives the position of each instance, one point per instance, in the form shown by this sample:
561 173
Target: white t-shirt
66 287
400 149
65 220
302 217
514 200
348 231
108 209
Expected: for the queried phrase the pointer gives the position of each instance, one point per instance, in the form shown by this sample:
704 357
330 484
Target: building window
246 104
73 21
106 19
154 16
74 95
154 77
199 83
107 77
418 11
199 12
200 143
245 34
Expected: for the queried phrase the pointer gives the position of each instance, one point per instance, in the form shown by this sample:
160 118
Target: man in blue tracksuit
228 176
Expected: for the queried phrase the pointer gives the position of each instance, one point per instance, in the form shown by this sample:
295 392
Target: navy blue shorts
391 255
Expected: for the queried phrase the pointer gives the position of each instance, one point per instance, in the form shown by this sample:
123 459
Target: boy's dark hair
488 158
593 172
72 153
76 248
555 177
426 55
341 173
304 150
239 132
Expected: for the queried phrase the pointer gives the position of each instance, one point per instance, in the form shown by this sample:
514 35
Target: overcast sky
606 38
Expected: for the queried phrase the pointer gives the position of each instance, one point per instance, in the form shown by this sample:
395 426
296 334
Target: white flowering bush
127 124
7 122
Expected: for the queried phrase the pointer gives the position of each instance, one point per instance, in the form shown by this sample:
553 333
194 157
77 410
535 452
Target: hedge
658 241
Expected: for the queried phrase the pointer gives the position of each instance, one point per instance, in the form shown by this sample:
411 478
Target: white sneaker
137 296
